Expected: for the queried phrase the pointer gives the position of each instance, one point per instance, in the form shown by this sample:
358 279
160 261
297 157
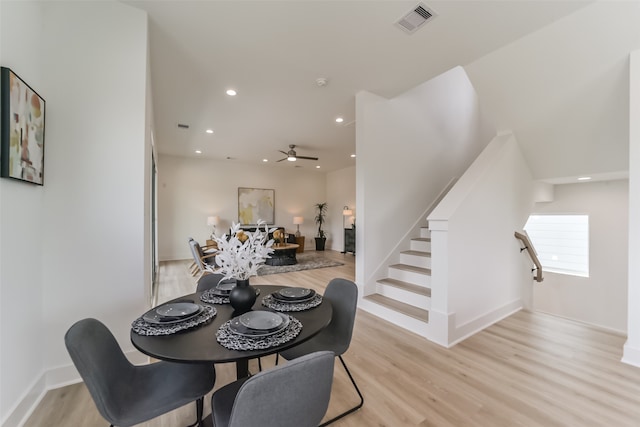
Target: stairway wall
479 275
408 149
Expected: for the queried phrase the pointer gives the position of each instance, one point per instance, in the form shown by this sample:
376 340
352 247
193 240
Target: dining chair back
295 394
208 281
342 294
126 394
201 259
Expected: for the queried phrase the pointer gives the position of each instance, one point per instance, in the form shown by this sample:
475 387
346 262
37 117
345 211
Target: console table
349 240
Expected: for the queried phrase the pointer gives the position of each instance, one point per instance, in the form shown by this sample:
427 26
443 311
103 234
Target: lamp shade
213 220
347 212
297 220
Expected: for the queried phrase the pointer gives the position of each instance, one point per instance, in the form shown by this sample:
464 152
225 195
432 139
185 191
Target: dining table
200 345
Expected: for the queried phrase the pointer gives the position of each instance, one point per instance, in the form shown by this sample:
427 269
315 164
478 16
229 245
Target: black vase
243 296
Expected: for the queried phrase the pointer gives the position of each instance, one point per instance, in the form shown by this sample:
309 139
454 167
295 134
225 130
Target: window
561 242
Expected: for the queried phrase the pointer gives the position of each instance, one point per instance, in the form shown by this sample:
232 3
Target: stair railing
528 246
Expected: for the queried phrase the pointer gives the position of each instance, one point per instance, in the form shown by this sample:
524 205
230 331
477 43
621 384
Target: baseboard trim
21 411
631 355
462 332
53 378
583 322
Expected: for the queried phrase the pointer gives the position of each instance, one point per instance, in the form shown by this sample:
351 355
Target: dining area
297 331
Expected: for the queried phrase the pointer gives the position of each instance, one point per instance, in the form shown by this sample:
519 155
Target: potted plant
239 257
321 213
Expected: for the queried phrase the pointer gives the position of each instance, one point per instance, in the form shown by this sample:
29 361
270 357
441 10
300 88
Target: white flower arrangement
242 253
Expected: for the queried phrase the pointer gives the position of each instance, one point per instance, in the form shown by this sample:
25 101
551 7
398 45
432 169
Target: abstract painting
256 204
22 138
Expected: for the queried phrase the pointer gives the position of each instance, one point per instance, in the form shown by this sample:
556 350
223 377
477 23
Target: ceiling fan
292 156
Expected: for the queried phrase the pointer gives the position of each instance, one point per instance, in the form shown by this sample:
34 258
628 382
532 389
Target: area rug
306 261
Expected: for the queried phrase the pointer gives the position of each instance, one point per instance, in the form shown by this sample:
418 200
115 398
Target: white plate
177 309
261 320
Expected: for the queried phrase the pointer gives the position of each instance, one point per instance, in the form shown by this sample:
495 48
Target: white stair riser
416 260
414 325
410 276
402 295
425 232
419 245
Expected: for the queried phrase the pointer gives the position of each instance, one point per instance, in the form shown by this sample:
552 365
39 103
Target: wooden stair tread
422 239
406 309
411 268
420 290
417 253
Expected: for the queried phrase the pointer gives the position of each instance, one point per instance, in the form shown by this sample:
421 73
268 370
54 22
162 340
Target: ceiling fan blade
285 153
281 160
306 158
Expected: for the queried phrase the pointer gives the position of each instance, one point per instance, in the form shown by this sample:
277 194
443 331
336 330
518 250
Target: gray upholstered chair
295 394
208 281
126 394
342 294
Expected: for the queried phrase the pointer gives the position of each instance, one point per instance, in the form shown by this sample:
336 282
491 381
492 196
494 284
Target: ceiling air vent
183 126
416 18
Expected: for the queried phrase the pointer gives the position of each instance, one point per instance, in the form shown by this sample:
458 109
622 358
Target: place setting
292 299
258 329
219 294
173 317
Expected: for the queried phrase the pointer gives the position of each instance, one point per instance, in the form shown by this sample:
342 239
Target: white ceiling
272 52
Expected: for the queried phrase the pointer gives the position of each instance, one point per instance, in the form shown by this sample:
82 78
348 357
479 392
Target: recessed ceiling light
353 155
584 178
339 120
198 152
265 160
209 131
231 92
317 166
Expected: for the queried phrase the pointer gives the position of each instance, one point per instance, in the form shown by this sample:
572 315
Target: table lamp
345 213
297 220
212 221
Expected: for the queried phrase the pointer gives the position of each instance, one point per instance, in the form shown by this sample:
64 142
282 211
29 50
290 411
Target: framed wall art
255 204
22 113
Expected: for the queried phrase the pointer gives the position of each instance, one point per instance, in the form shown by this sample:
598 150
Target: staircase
406 292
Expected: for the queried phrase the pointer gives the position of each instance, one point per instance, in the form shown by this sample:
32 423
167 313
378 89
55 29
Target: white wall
192 189
478 274
21 225
601 298
408 149
632 346
89 218
564 90
341 192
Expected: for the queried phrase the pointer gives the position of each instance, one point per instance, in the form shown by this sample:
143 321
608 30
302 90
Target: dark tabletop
199 344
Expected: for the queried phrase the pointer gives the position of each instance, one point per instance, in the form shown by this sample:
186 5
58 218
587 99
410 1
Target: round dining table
199 344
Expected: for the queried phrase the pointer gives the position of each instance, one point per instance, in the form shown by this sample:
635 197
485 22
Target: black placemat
274 304
142 327
233 341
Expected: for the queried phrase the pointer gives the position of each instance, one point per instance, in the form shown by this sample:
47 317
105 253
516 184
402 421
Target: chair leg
355 408
199 411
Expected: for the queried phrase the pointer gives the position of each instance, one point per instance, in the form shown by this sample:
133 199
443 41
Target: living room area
188 193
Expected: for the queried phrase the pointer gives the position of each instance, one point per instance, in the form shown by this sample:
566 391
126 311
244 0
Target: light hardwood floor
530 369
